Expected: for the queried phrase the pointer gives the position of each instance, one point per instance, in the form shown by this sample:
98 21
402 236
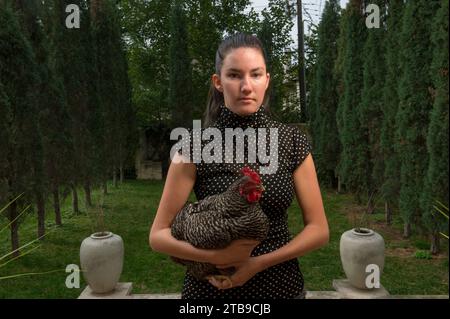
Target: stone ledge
343 291
157 296
323 295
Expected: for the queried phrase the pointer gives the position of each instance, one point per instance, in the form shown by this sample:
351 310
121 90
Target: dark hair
215 97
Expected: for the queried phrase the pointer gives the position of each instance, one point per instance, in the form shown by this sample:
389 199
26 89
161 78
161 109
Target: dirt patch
387 231
400 252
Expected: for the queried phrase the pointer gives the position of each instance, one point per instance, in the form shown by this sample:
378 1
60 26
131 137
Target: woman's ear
216 82
268 80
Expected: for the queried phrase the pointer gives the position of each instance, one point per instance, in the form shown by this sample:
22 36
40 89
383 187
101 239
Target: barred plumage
217 220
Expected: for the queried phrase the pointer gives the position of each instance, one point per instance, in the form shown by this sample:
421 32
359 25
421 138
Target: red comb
247 171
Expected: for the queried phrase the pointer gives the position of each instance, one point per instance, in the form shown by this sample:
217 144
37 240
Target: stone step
343 291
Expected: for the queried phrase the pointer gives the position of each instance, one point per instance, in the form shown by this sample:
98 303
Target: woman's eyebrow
253 70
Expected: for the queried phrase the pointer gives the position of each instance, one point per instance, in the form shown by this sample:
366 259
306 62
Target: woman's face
243 80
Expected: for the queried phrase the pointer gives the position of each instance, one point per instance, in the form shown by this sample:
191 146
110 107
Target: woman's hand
237 251
245 270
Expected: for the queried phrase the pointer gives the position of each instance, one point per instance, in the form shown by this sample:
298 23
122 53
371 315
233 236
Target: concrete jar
362 257
101 259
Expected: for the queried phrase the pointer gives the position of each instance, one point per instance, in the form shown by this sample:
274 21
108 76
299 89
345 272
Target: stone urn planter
362 257
101 259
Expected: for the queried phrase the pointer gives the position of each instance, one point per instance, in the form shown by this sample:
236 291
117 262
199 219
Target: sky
311 8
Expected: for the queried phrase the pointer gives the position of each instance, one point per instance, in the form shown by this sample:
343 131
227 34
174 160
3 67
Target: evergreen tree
5 142
94 171
64 48
80 82
391 186
19 76
415 106
325 135
352 166
105 36
127 143
180 84
28 20
436 179
338 73
370 110
53 117
58 147
113 77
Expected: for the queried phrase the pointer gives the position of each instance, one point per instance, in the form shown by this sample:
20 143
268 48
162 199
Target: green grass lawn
129 211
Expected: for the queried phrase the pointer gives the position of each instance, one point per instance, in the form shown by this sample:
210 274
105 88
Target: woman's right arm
179 183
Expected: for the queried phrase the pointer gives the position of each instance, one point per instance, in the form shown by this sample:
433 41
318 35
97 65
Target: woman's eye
233 75
257 75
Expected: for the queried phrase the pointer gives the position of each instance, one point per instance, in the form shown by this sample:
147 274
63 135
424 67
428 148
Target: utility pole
301 62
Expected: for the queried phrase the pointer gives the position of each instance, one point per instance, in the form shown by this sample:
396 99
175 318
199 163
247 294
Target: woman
269 270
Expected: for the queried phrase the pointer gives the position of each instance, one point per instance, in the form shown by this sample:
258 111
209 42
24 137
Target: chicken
217 220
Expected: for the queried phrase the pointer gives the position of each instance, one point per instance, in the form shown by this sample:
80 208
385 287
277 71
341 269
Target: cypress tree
5 142
113 77
20 78
27 13
53 121
127 143
352 166
95 123
391 185
59 146
325 134
180 84
65 46
415 106
338 73
80 81
370 111
436 179
104 34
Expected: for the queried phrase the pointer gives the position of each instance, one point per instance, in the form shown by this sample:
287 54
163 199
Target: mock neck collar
228 118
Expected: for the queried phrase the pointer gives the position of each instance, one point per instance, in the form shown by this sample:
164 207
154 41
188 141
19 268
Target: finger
228 283
214 282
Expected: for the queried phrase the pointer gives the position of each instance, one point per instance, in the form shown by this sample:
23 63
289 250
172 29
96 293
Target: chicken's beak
261 187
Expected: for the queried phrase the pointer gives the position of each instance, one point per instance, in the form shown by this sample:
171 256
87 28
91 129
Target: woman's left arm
314 235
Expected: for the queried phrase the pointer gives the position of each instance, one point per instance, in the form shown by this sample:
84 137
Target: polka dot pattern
284 280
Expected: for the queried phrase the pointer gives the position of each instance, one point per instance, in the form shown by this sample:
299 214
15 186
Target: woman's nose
246 85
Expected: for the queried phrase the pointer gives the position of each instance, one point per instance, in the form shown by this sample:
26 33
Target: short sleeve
185 146
189 149
301 147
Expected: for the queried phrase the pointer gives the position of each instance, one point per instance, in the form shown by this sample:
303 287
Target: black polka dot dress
284 280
